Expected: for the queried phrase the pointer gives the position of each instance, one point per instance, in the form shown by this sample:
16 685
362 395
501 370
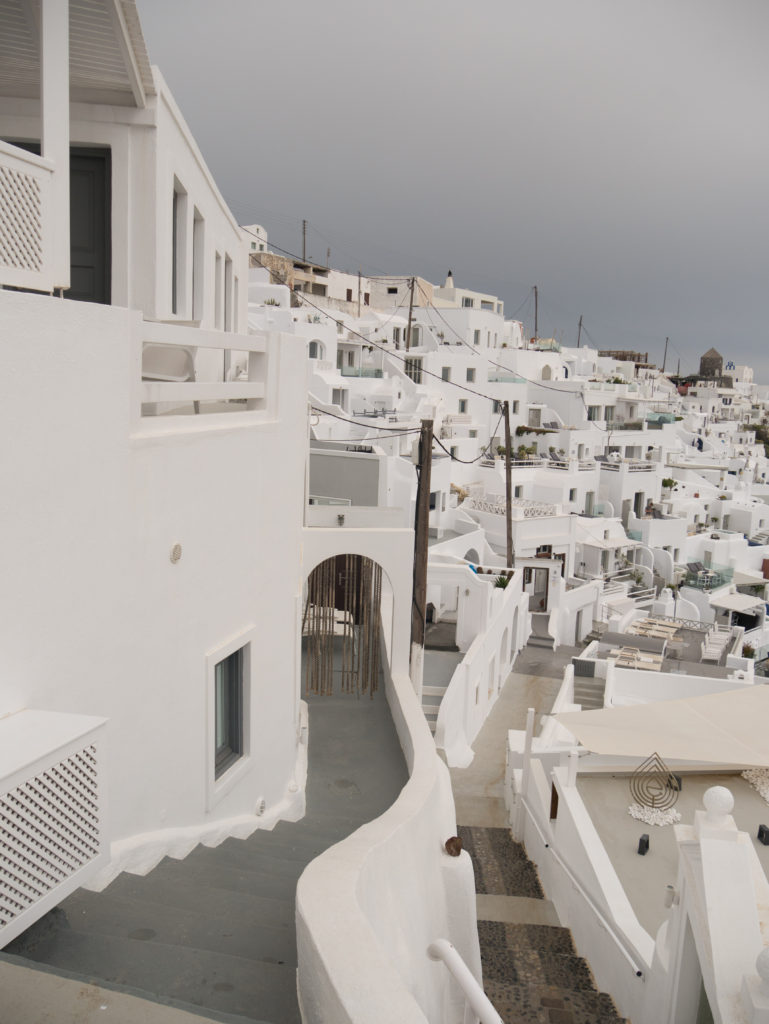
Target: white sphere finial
762 968
718 802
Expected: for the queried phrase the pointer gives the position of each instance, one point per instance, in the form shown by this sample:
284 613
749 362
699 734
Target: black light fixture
643 844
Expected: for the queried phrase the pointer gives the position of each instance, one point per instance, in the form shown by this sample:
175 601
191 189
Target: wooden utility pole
579 330
421 527
358 291
328 259
508 486
665 356
411 310
304 241
536 312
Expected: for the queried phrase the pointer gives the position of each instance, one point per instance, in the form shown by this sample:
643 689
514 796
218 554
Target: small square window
228 704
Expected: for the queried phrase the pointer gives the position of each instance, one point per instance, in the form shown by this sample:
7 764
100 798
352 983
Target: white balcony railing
26 224
176 359
51 812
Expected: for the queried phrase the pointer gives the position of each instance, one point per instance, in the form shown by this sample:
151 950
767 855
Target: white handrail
477 1000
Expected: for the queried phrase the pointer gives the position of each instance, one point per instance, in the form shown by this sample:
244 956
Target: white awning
723 728
736 602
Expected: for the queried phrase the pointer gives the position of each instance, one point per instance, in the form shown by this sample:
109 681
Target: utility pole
304 241
508 486
579 330
411 310
678 371
665 356
421 527
328 259
536 312
359 292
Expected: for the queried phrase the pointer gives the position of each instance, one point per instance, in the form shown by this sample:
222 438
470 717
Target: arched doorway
316 350
471 555
547 373
341 623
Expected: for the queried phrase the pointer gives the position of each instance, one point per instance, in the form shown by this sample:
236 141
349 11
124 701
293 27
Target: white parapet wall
368 908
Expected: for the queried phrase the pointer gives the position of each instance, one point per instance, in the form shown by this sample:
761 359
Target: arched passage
471 555
341 625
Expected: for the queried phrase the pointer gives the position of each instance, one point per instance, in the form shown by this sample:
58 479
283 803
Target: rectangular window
349 294
227 293
433 499
413 369
392 291
473 433
593 412
476 337
487 305
608 413
198 265
179 263
515 407
454 450
228 704
218 288
463 405
396 335
351 359
496 406
467 303
518 492
445 373
573 494
366 298
471 375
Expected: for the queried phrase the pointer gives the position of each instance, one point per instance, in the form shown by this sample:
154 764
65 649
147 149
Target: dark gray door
90 240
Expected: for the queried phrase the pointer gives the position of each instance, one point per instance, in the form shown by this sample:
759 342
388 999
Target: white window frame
217 789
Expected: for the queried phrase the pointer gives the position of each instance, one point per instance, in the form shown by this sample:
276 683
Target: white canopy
723 728
736 602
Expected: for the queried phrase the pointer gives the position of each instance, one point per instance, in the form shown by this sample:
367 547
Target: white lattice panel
21 224
49 830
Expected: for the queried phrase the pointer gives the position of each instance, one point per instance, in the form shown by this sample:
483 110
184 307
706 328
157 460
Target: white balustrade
26 225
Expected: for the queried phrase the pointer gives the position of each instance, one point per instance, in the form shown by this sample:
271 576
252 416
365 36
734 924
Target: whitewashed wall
95 617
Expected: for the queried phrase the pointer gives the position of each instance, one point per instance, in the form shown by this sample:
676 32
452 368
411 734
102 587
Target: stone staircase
431 702
215 933
589 692
531 972
540 637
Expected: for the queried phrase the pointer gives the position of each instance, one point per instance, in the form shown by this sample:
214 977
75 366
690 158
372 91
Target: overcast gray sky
614 153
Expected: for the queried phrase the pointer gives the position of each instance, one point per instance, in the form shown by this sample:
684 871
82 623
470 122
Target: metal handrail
478 1006
587 897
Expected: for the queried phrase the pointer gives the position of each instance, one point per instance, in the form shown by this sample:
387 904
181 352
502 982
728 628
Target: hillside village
250 500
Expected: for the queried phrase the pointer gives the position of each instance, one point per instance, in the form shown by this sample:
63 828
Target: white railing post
54 128
478 1006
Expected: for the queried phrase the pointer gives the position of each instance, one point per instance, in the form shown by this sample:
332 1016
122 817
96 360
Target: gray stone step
500 864
545 1004
256 990
143 920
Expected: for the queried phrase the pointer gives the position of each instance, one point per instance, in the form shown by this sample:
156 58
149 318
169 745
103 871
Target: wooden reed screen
341 623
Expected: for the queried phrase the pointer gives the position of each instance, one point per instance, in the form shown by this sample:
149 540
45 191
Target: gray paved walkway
214 933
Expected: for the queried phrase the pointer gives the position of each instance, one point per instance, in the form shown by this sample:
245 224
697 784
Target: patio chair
169 363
